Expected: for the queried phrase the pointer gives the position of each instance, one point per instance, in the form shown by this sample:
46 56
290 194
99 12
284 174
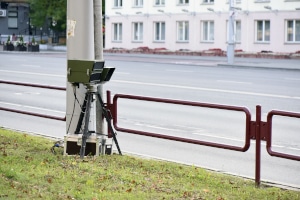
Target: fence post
108 104
258 146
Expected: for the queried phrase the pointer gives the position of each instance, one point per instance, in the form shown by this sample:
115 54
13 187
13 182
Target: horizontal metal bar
33 85
180 102
283 113
34 114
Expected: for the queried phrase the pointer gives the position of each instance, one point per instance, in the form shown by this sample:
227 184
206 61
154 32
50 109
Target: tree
43 10
56 10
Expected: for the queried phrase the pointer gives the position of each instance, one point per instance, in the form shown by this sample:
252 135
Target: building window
159 2
180 2
263 31
208 29
138 31
12 17
117 32
237 31
118 3
208 1
159 31
138 3
293 31
183 31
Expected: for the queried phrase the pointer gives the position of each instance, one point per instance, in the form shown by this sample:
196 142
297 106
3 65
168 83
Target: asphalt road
172 78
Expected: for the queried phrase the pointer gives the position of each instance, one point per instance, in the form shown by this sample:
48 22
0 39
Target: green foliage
33 42
41 10
8 40
29 170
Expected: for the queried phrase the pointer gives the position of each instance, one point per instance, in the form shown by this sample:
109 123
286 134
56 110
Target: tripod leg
86 133
108 120
83 110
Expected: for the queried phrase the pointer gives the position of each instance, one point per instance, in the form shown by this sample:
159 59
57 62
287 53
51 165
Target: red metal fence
114 109
256 130
32 113
269 133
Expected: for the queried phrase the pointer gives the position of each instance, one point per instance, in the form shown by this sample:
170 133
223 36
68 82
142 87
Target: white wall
251 10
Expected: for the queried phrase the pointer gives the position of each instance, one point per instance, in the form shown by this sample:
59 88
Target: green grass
28 170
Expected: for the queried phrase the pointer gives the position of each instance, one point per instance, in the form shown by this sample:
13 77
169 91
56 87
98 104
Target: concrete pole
80 46
98 35
98 42
231 39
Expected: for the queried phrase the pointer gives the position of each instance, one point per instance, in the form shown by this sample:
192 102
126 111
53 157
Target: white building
197 25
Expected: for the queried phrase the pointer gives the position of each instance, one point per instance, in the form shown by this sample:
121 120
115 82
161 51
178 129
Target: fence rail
187 103
257 130
269 136
32 113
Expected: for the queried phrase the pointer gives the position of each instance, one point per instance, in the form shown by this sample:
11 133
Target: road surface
171 78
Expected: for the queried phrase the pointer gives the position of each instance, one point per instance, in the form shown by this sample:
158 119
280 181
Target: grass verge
28 170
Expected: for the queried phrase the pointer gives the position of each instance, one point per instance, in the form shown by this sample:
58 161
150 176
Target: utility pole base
95 145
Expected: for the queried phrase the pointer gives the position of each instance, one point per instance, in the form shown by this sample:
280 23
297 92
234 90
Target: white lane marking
18 59
122 73
239 140
21 93
10 104
219 137
155 127
32 73
160 128
293 148
208 89
292 79
31 107
35 66
182 62
185 71
234 82
44 109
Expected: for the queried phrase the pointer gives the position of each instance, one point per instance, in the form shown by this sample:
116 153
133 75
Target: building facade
197 25
14 18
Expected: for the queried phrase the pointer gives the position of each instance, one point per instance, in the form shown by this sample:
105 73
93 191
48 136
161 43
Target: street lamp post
231 39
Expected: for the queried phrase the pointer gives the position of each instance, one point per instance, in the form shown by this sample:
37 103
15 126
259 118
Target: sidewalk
217 61
265 63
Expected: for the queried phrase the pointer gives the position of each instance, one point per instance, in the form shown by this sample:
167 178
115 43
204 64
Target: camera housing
88 72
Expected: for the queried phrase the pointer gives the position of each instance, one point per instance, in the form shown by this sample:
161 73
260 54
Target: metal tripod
85 114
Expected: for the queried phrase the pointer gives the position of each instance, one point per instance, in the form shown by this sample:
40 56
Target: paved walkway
290 64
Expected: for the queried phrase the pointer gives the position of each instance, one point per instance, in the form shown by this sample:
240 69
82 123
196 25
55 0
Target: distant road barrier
32 113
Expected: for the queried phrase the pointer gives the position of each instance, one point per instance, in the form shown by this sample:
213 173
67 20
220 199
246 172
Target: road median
29 170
